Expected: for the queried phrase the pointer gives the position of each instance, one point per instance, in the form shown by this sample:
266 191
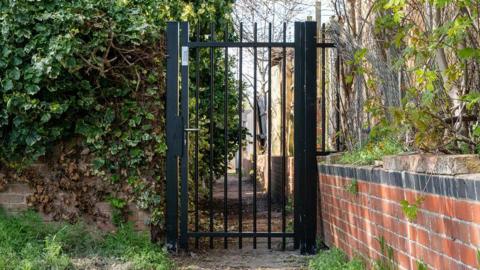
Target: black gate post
299 134
305 170
311 174
174 136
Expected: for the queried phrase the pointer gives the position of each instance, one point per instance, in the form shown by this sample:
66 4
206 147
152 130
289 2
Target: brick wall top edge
473 176
460 186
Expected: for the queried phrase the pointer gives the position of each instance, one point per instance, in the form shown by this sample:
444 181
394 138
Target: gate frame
305 123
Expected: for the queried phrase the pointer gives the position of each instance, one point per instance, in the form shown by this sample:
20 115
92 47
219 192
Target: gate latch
184 56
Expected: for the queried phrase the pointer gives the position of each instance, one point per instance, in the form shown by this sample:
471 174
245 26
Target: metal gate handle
192 129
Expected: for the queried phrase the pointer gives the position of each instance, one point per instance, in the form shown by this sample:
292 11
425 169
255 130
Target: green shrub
334 259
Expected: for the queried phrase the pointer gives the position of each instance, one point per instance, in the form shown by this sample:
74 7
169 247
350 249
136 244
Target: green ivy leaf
98 163
14 74
32 89
150 116
33 138
3 118
45 117
58 108
109 116
17 61
7 85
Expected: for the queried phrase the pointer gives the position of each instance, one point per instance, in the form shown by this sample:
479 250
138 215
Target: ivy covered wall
82 92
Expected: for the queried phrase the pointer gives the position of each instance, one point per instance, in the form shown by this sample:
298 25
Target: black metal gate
183 223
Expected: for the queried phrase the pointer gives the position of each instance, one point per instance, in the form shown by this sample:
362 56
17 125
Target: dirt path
247 257
260 258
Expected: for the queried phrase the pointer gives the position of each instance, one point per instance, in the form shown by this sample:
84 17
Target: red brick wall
14 197
14 200
445 235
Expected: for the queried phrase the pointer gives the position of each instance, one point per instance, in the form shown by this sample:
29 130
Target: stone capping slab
458 187
433 163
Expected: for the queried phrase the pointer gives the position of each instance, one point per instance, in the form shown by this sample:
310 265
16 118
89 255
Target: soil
258 259
233 257
97 263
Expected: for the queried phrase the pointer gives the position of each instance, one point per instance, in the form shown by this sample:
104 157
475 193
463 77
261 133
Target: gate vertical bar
269 136
197 122
225 138
255 113
173 135
324 110
212 127
299 130
184 33
240 112
311 176
284 136
337 101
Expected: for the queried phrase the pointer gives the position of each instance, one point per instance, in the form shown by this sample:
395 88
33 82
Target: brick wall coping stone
459 186
433 163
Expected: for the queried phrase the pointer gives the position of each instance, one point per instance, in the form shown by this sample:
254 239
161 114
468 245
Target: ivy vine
90 74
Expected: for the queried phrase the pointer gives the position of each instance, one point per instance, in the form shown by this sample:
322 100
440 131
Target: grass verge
334 259
26 242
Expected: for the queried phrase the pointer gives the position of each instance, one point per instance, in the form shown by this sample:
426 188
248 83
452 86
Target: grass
367 154
334 259
26 242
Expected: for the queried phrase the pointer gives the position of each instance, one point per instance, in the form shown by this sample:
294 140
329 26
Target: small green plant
410 210
289 227
119 210
478 258
387 261
289 205
335 259
421 265
289 208
371 151
352 187
54 256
